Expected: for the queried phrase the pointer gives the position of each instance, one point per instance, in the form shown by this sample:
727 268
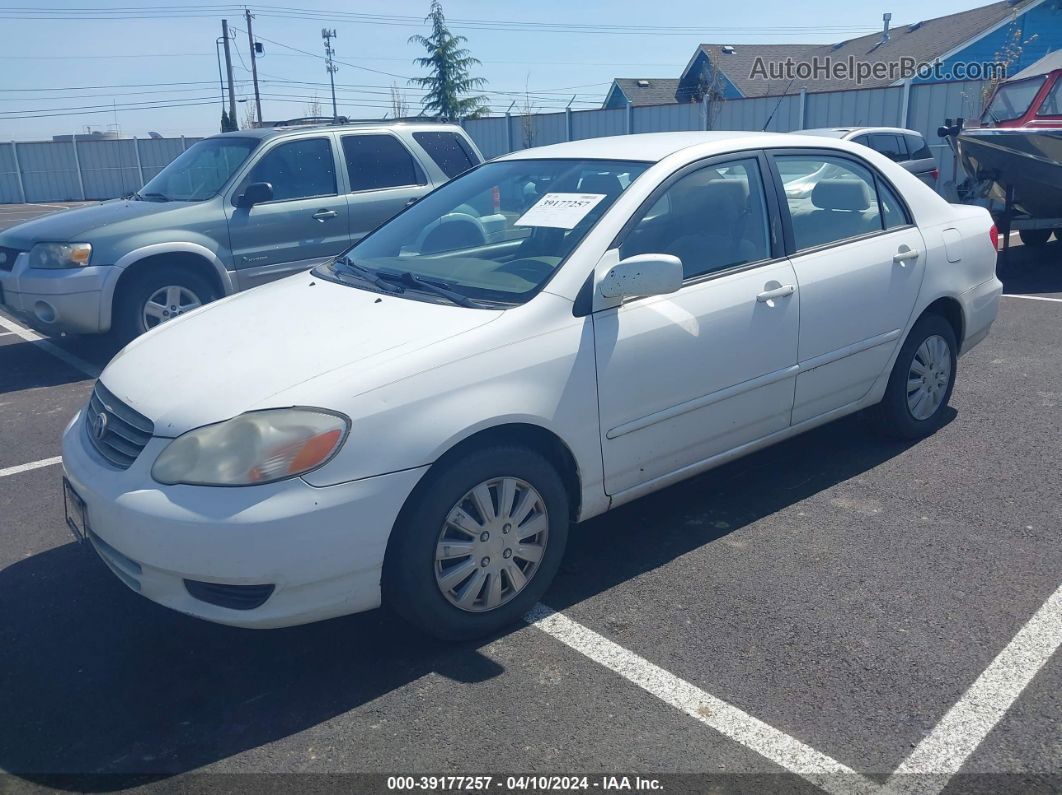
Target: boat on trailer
1013 155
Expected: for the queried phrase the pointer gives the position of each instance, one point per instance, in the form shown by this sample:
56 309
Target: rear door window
379 161
918 147
890 145
450 151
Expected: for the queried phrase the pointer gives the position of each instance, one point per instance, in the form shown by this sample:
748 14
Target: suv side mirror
642 275
255 193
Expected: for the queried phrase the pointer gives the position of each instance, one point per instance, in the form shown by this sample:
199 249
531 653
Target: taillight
993 235
935 173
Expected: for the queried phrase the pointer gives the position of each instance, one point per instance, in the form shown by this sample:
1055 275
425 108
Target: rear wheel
157 295
921 381
479 544
1034 237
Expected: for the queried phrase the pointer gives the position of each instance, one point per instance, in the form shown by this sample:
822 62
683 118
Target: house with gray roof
1018 32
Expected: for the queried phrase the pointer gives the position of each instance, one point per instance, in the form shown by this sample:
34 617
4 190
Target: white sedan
420 425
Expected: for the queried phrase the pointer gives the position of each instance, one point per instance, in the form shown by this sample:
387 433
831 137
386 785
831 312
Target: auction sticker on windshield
560 210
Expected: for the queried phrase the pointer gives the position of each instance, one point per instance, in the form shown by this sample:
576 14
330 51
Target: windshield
494 235
199 172
1012 100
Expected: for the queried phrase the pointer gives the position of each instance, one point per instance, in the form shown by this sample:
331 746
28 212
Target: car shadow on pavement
100 685
1032 270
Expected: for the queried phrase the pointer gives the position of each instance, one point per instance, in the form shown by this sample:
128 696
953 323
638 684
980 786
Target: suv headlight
253 448
60 255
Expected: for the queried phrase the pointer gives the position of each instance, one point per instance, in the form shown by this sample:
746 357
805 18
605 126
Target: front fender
153 250
547 380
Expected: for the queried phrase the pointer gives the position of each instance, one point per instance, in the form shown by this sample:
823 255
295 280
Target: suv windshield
493 236
200 171
1012 100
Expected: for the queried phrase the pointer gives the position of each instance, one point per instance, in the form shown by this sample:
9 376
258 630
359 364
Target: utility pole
228 71
330 65
254 66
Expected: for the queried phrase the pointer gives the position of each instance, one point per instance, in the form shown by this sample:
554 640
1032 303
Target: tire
895 415
1034 237
415 582
128 320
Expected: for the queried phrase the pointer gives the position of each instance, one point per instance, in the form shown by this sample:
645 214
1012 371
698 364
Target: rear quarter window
450 151
918 147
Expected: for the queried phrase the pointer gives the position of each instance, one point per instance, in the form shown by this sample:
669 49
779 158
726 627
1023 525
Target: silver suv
233 211
906 147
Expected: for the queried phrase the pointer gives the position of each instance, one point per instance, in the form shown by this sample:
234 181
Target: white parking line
47 462
1033 297
91 370
944 750
754 734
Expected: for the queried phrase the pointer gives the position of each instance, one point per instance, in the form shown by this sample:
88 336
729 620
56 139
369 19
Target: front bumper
321 549
55 301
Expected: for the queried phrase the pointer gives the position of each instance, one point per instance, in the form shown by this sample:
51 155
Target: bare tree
1007 55
313 108
399 106
527 118
248 116
709 90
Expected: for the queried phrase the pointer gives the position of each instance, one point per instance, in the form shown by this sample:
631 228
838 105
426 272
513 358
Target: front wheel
921 381
157 295
479 543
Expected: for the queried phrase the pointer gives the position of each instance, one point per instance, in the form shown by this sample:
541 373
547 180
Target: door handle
324 215
777 292
904 255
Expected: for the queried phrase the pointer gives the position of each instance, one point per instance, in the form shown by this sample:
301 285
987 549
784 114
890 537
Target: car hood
236 354
71 225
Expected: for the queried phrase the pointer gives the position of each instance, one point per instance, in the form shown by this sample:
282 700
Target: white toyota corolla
548 336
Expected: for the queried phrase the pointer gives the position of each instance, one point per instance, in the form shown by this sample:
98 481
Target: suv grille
7 257
116 431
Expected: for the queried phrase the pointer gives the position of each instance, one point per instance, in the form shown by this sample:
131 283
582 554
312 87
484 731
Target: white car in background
421 427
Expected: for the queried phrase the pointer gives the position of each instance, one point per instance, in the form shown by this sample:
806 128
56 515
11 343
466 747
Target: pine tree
449 85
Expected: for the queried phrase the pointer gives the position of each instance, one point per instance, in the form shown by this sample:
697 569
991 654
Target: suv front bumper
55 301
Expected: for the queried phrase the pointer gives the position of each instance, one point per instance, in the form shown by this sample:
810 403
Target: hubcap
928 378
491 544
167 303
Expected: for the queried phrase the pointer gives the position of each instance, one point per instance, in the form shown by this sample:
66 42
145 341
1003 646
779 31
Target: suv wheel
156 296
477 546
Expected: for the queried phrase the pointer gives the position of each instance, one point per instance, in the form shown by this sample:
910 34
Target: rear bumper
980 305
56 301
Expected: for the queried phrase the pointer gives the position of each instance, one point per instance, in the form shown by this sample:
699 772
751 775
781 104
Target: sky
69 65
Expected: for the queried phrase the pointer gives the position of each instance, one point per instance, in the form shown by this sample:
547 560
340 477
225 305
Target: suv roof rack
312 120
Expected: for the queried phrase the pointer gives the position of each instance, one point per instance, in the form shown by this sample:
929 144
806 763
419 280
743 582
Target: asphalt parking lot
825 612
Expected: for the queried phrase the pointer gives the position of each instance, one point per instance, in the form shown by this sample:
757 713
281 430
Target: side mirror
255 193
642 275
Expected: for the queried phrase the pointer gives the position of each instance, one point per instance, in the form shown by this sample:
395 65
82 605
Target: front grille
116 431
7 257
234 597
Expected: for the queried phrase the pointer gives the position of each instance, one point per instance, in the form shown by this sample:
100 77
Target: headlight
253 448
60 255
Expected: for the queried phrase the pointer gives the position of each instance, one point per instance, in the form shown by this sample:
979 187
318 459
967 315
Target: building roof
647 90
925 41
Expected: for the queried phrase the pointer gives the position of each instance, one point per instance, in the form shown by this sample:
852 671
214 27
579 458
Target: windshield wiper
415 281
151 197
350 266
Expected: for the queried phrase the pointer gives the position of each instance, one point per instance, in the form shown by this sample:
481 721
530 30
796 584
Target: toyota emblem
99 425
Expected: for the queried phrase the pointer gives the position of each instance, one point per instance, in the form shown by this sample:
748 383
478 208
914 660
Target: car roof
648 147
278 131
846 132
